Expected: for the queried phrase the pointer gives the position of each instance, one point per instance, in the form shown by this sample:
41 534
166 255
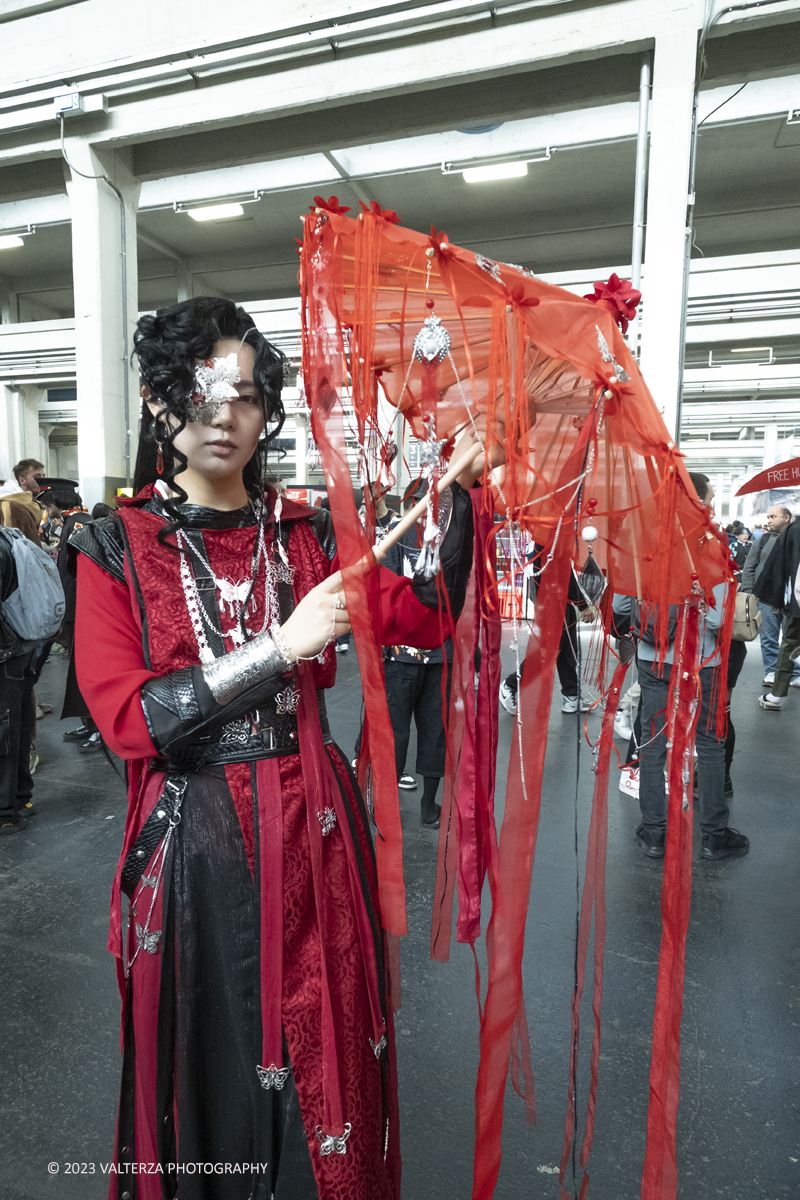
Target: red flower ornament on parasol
375 209
618 297
331 206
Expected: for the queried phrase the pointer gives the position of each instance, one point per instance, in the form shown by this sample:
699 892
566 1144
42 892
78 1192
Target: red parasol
456 341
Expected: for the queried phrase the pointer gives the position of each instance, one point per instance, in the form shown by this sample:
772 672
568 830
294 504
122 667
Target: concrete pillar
184 280
108 382
400 469
301 448
19 426
8 303
48 460
770 446
668 181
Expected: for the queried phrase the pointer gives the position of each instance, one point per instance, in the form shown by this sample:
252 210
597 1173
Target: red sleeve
109 661
403 620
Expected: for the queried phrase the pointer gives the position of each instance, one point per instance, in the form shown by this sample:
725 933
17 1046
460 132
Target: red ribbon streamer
593 898
660 1175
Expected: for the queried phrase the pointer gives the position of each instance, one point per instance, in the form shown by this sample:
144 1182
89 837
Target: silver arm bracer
234 673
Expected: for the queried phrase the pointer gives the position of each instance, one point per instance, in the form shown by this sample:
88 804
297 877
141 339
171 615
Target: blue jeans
772 628
710 753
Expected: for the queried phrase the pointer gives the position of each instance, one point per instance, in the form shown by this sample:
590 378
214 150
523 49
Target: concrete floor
738 1131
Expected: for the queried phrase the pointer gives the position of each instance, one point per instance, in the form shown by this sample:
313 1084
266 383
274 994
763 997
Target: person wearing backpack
31 609
719 841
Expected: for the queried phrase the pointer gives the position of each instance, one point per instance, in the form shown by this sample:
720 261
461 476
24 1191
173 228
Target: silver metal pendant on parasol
432 343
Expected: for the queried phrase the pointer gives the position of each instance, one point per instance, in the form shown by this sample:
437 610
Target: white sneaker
407 782
569 704
768 679
794 683
629 782
343 649
508 699
622 725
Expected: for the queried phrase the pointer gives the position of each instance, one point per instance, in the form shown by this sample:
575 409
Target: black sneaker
730 844
78 735
408 783
28 809
11 825
653 844
92 744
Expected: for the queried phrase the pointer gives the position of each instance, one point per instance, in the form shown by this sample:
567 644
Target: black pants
17 719
567 661
655 683
415 689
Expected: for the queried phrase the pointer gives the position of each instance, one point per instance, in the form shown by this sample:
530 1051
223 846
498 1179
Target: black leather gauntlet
190 705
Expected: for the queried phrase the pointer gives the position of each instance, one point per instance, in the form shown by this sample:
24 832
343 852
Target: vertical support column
184 281
770 446
19 426
8 303
301 448
400 469
667 199
105 277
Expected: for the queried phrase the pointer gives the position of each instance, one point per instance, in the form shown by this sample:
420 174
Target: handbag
746 618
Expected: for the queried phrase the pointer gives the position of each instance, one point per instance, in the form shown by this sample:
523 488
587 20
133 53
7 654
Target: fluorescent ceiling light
749 349
10 241
216 212
510 170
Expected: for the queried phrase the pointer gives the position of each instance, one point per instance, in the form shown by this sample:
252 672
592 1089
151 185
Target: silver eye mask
214 380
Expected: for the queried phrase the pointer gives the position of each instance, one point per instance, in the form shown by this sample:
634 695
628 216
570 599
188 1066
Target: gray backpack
36 609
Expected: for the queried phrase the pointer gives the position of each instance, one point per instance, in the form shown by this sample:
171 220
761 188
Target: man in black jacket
776 587
17 713
778 518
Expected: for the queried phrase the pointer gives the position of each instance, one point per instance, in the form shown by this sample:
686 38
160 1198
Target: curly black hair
168 345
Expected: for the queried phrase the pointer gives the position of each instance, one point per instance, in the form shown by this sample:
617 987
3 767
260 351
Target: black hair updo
168 345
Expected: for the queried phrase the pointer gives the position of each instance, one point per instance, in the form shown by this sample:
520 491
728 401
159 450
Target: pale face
776 520
709 497
220 450
29 482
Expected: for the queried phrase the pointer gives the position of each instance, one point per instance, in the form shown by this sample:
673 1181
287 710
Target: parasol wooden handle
416 512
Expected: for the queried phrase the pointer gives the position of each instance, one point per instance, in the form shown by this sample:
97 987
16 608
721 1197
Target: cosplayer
258 1050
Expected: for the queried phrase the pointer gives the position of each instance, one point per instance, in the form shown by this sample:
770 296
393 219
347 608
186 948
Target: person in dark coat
17 706
776 586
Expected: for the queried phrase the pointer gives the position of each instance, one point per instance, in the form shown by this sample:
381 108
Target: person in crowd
719 841
17 678
414 679
102 510
248 854
65 508
777 519
567 661
777 586
26 475
739 541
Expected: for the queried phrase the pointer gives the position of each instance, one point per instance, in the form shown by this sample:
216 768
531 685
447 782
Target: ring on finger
338 602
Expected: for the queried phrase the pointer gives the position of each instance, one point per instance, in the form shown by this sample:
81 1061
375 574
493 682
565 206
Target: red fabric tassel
593 898
506 933
660 1175
270 864
312 753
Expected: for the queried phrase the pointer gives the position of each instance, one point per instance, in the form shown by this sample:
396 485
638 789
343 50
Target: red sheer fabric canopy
455 341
